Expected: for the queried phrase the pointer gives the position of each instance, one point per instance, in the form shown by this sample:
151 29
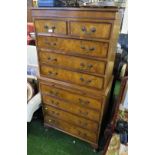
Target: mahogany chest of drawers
76 52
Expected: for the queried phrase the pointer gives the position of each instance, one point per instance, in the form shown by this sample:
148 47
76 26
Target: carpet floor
46 141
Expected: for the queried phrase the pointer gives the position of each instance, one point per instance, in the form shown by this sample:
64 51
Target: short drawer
68 117
72 62
73 46
71 97
71 107
73 77
50 26
90 29
70 129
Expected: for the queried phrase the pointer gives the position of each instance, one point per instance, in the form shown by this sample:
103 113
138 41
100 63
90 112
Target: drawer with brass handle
72 108
73 46
90 29
50 26
72 62
68 117
71 97
70 128
73 77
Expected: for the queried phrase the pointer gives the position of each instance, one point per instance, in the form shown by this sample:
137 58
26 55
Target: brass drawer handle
46 27
50 73
93 29
55 93
82 79
89 66
53 27
46 108
81 101
51 30
83 113
55 103
84 30
52 59
89 49
85 81
51 43
86 67
82 64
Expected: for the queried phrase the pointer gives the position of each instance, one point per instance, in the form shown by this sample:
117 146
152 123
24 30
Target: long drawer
77 99
72 108
90 29
73 77
72 62
73 46
71 129
68 117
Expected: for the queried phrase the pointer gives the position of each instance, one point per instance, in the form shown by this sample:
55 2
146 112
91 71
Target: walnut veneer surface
76 52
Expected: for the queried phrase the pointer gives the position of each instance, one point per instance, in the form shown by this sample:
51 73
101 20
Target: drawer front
71 107
74 130
71 97
84 123
72 62
90 29
73 46
73 77
50 26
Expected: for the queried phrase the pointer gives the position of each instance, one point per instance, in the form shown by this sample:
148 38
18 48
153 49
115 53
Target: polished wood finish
90 29
77 99
77 63
76 52
51 26
71 118
74 46
72 108
72 77
70 128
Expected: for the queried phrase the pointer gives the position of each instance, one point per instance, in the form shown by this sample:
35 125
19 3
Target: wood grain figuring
51 26
91 136
75 13
76 64
81 47
90 29
73 77
76 53
72 97
68 117
72 108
